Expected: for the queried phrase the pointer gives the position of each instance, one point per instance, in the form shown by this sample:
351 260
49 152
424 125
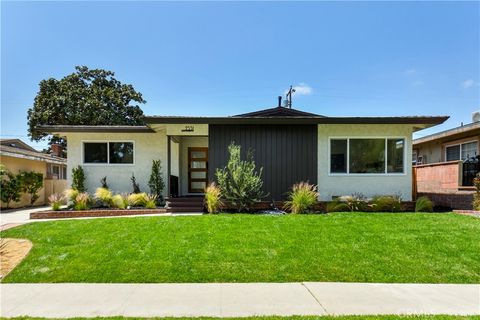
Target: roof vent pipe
279 101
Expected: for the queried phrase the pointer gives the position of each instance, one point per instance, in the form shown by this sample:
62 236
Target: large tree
85 97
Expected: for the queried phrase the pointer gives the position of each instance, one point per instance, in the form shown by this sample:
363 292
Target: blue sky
223 58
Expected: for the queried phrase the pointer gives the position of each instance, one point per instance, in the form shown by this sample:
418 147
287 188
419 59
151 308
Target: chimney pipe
279 101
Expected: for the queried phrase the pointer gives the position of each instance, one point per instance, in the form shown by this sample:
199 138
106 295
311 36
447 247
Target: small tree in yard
156 182
11 186
78 179
31 182
239 181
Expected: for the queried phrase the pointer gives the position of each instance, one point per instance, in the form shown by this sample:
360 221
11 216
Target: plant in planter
137 199
301 198
240 182
103 183
423 204
105 196
78 179
386 204
82 201
156 182
213 199
56 200
151 201
135 185
118 202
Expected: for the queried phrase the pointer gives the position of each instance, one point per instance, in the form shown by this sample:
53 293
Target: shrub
213 200
70 197
386 204
56 200
11 186
156 182
103 183
302 198
337 206
355 202
31 183
239 181
82 201
78 179
151 201
476 195
137 199
424 204
105 196
118 202
135 185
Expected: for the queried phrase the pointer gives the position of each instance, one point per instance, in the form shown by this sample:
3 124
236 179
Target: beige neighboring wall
16 165
369 185
147 147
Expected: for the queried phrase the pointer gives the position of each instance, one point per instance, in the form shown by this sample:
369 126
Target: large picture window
108 152
367 155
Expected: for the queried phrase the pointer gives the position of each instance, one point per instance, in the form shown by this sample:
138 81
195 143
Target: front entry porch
187 165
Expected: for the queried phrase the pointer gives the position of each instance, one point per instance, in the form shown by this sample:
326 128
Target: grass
388 317
350 247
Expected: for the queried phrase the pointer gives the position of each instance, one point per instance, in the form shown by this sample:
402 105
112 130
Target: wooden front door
197 169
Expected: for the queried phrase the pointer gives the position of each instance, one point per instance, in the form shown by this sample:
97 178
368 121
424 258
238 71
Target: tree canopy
85 97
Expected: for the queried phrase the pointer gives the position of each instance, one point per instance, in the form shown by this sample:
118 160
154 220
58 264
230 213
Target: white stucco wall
148 146
338 185
185 143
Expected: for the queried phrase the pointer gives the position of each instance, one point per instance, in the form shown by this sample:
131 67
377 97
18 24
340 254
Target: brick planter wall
92 213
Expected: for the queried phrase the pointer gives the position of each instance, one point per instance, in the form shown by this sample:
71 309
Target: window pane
95 152
198 154
121 152
198 175
395 149
338 156
453 153
469 150
198 164
367 156
198 185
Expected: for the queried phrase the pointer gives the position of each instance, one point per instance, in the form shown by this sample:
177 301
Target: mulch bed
93 213
12 252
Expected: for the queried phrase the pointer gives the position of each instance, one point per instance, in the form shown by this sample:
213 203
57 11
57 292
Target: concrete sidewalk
236 300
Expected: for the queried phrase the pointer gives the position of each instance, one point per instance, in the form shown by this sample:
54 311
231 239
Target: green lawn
353 247
421 317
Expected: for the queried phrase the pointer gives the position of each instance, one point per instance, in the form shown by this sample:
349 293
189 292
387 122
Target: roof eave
57 129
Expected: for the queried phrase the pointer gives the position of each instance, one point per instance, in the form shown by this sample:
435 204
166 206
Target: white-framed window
108 152
414 157
461 151
358 156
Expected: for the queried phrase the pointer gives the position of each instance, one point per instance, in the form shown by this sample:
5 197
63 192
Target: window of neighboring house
56 171
367 156
462 151
414 157
64 173
108 152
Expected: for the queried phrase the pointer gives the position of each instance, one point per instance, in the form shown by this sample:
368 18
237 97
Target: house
18 156
343 155
445 164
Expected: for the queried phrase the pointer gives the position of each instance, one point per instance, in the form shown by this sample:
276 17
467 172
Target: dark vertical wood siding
287 153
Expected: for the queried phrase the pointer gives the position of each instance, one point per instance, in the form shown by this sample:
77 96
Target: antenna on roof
288 97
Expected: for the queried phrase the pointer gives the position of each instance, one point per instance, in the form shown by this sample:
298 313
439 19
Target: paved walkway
236 300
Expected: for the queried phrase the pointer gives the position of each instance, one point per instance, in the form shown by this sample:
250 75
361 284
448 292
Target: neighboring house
18 156
446 163
343 155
